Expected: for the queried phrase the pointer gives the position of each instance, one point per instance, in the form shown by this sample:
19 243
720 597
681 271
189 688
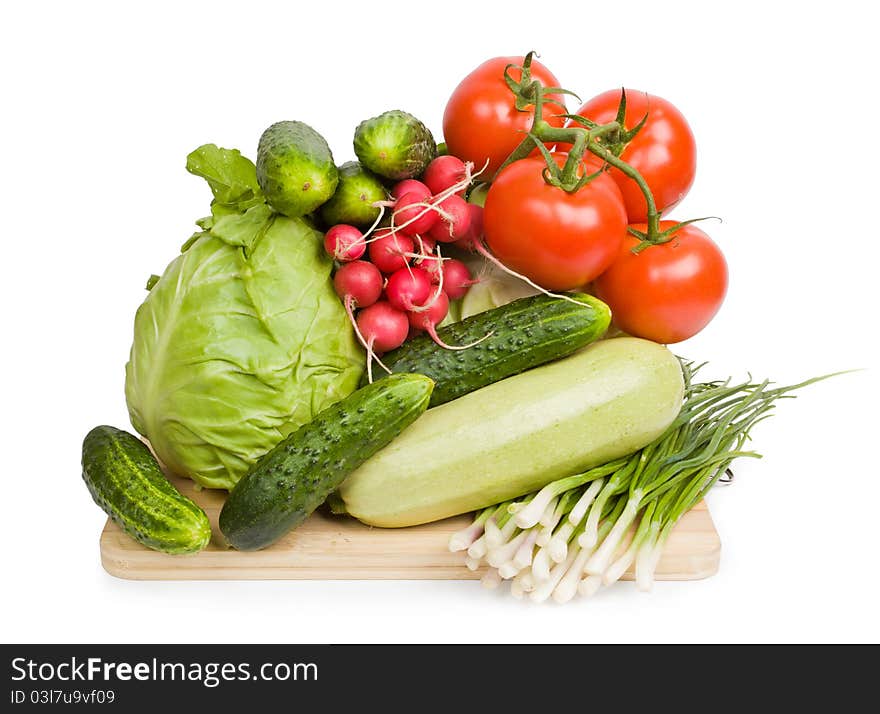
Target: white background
104 101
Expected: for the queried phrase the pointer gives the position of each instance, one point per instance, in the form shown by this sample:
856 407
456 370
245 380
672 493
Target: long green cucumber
515 436
126 481
294 478
522 334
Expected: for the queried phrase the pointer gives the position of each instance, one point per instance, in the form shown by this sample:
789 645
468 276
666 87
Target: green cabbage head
242 339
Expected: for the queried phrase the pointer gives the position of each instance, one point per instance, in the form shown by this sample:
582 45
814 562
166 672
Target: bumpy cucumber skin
517 435
298 475
295 168
525 333
355 194
126 481
395 145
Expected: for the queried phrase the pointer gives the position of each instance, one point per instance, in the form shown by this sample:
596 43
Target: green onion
571 536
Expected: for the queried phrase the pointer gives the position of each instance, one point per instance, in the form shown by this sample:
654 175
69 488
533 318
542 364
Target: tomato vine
605 141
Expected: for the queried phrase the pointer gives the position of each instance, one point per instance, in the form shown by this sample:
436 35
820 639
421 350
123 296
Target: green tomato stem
529 92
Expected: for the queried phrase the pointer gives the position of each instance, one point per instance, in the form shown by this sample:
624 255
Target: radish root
368 346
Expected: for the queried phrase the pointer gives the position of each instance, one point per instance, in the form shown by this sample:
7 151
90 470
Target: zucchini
519 434
125 480
524 334
294 478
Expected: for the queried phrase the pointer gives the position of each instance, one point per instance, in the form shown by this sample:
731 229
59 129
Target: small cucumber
297 476
395 145
126 481
523 334
295 168
355 195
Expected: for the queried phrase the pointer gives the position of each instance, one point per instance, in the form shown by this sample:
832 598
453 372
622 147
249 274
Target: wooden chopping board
329 547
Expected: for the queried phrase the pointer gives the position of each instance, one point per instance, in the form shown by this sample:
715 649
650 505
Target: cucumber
126 481
524 334
355 194
297 476
295 168
394 145
517 435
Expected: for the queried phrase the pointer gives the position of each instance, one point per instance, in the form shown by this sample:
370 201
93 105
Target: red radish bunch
394 280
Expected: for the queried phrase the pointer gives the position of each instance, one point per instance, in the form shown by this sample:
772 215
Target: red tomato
666 292
663 152
559 240
481 121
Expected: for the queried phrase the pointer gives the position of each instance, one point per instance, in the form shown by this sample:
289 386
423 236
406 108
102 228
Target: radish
475 230
426 317
344 243
388 250
412 214
455 220
456 278
432 265
443 173
383 327
411 186
407 288
358 281
359 284
425 245
437 308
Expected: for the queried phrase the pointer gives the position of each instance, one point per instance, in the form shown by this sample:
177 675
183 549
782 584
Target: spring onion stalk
623 562
599 561
541 565
516 589
471 563
571 582
492 533
544 530
577 514
616 570
464 539
564 534
529 517
526 581
544 536
499 555
508 570
491 579
523 556
499 527
546 588
493 521
478 548
613 509
551 516
590 585
568 585
508 531
566 502
615 485
558 545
